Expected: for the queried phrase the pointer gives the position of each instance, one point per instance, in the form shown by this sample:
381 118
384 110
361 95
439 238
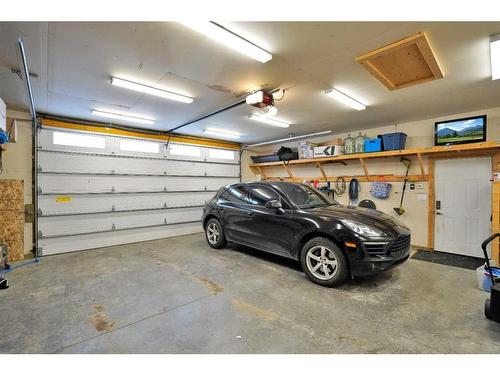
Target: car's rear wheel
215 234
323 262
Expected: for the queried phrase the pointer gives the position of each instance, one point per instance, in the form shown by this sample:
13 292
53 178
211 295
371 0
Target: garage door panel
100 184
76 243
77 204
74 163
55 226
91 197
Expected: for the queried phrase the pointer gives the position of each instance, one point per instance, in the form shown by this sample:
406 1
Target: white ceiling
74 62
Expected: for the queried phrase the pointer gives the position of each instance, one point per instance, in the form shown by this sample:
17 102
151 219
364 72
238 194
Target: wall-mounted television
464 130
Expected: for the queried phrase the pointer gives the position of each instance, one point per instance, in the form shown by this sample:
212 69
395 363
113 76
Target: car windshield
305 196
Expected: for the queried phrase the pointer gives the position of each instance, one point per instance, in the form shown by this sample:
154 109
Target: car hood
376 219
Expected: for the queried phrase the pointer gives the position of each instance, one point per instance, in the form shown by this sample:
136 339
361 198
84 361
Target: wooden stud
430 205
495 221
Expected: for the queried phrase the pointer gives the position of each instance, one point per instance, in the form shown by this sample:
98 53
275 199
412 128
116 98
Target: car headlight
362 229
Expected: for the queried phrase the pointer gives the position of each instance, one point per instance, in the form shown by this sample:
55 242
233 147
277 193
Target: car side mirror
276 205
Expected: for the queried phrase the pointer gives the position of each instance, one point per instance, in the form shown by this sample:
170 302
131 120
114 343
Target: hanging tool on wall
354 189
400 210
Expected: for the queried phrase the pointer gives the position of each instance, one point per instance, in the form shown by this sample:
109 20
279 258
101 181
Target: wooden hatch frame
407 62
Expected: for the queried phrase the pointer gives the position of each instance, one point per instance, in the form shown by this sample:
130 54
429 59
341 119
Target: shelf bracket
289 171
421 164
318 164
363 164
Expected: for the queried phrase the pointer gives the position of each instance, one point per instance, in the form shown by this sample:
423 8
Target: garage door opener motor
492 305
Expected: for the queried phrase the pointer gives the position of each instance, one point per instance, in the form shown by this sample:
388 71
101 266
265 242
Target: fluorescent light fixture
269 121
118 116
226 37
147 89
495 56
291 138
346 99
221 133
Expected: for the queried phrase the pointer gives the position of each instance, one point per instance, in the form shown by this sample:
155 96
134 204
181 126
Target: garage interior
119 133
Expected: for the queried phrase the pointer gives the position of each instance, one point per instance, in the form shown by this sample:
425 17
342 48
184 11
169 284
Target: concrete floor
179 296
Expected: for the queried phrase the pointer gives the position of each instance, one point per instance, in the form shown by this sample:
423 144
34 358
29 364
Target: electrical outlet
412 186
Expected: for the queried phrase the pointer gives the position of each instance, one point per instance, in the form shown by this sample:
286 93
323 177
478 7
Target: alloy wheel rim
213 233
322 262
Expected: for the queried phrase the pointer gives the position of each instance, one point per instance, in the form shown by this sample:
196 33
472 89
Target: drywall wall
17 165
420 134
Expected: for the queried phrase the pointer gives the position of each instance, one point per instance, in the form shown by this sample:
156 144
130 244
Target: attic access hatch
407 62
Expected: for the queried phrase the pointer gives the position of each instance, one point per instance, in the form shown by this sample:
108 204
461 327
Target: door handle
438 213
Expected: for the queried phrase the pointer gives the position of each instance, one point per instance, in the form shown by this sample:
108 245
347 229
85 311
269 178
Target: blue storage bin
393 141
373 145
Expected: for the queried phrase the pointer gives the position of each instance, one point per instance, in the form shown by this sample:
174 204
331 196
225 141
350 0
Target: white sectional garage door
98 190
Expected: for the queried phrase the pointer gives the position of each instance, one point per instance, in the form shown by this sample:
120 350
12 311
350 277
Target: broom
400 210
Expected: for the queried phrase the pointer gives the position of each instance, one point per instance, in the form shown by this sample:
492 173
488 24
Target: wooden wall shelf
457 151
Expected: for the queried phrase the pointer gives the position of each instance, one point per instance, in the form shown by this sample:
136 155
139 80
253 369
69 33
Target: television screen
465 130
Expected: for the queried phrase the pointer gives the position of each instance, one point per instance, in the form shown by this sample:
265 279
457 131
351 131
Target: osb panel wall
12 217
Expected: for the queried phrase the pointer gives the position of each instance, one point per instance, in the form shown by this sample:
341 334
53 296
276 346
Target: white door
463 205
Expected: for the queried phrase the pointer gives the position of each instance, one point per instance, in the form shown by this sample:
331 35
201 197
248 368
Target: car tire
323 262
214 234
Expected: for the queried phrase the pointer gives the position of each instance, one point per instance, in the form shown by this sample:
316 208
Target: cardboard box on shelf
324 151
333 142
305 149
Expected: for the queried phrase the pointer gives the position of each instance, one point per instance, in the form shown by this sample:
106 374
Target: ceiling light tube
346 99
291 138
147 89
221 133
226 37
118 116
495 56
269 121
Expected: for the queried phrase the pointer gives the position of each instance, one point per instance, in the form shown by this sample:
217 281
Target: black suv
296 221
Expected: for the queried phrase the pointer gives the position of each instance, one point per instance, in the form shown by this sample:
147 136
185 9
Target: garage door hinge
165 221
39 212
39 168
165 205
164 188
113 227
39 190
164 172
113 189
113 171
40 234
113 208
205 187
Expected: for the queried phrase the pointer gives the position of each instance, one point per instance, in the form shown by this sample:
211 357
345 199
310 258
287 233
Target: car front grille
400 246
385 249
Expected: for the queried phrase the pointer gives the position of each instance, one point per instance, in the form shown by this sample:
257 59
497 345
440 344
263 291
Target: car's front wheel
323 262
215 234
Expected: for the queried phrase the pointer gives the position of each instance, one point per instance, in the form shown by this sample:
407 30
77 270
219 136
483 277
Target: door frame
431 212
